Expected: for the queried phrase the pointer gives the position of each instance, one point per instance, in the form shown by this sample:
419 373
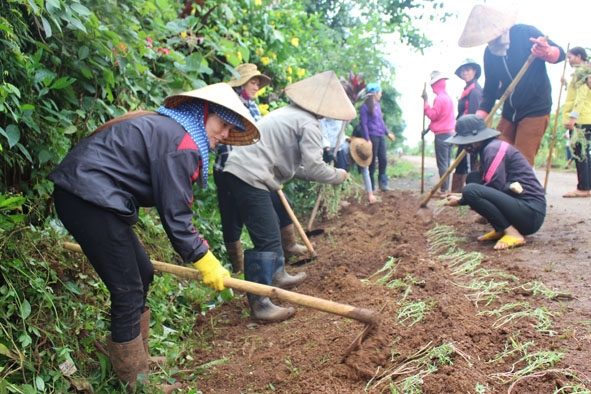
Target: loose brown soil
306 353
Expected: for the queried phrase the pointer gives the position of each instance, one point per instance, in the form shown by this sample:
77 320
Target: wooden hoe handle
360 314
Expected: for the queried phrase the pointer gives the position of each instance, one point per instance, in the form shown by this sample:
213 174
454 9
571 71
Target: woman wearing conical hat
526 112
290 147
247 81
145 159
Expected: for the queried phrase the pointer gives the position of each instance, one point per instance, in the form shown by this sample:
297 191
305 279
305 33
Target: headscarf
192 116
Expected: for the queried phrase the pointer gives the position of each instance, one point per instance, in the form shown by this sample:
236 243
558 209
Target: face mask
471 149
500 45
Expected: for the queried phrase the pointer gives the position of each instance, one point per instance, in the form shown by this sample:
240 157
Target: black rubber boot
258 268
284 280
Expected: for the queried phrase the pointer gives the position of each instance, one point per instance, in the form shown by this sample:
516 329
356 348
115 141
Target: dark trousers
378 145
583 161
230 215
503 210
256 211
116 254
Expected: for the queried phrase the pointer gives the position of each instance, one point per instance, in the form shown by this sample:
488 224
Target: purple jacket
442 114
372 125
502 164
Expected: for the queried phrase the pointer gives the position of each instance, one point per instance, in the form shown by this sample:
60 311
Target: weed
520 310
406 284
412 313
415 367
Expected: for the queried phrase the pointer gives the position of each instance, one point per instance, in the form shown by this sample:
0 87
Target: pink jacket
442 114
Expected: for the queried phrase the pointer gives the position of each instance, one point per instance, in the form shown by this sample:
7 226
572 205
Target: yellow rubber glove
212 271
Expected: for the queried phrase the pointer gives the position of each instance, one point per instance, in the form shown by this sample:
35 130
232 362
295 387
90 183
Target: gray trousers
443 156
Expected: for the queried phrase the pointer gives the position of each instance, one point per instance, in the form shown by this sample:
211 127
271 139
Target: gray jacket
147 161
290 146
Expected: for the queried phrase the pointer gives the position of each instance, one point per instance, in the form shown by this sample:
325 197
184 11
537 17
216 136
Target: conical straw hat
486 23
222 94
322 94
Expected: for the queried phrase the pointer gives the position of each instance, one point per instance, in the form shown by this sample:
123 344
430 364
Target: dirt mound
457 316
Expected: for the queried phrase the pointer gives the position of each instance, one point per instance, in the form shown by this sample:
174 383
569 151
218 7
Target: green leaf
7 352
83 52
46 27
62 83
44 156
25 340
25 309
72 287
75 22
70 130
39 383
52 6
86 72
80 9
13 135
12 202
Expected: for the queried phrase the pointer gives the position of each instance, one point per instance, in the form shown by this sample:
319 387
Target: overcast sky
563 21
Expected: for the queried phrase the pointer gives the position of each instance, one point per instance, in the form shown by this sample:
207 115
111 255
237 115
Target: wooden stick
488 121
553 141
423 144
319 196
315 209
296 222
360 314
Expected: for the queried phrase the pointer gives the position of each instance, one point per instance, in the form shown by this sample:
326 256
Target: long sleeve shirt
470 99
290 146
502 164
372 124
532 95
577 104
147 161
442 113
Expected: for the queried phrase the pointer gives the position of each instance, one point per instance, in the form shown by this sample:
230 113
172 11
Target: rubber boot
145 332
128 360
284 280
234 250
383 179
289 244
457 182
258 268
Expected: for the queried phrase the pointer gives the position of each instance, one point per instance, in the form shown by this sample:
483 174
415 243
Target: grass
485 287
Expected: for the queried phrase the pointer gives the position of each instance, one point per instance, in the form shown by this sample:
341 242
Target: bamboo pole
488 121
549 161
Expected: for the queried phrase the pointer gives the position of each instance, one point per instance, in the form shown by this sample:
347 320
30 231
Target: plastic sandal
577 193
507 242
492 236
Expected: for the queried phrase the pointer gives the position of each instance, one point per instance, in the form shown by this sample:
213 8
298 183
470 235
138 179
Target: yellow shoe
492 236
